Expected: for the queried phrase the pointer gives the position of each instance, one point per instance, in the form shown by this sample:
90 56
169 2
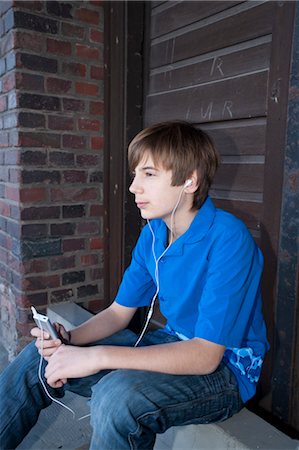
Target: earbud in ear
188 183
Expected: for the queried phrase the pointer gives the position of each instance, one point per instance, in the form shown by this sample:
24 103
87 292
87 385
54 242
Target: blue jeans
128 407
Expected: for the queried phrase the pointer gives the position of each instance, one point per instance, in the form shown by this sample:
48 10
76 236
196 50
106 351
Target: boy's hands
48 346
71 362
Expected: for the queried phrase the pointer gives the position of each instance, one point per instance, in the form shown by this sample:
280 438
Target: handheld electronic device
43 322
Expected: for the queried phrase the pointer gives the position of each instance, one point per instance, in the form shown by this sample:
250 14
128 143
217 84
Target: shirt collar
197 230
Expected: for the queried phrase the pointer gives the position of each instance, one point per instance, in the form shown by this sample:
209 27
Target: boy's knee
117 394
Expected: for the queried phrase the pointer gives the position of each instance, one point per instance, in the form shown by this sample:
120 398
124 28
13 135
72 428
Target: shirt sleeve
232 290
137 287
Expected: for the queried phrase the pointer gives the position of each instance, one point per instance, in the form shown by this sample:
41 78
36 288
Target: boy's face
154 194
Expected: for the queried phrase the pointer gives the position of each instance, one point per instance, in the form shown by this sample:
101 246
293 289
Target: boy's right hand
45 344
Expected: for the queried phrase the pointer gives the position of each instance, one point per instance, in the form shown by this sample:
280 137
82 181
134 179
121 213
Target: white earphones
188 183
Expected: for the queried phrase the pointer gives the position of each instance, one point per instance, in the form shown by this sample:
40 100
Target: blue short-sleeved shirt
209 287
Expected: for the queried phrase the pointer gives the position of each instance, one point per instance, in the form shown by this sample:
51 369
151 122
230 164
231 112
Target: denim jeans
128 407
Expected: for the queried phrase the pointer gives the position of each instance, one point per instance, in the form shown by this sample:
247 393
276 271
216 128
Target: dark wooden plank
283 309
155 3
184 13
234 98
240 178
246 25
212 69
237 140
249 212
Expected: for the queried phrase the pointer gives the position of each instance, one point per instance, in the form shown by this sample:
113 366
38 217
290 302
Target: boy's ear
191 184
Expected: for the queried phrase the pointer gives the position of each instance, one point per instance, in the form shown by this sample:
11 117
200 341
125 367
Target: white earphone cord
43 383
149 315
152 304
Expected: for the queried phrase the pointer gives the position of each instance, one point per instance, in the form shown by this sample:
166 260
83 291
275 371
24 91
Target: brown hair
182 148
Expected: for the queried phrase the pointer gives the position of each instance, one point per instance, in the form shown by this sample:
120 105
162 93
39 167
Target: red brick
96 36
97 143
38 299
87 160
87 228
73 141
12 193
95 274
59 47
89 260
16 265
36 195
42 212
34 158
89 124
62 262
60 123
96 210
14 175
88 16
28 41
4 139
96 305
71 245
58 85
73 195
3 175
97 73
63 229
73 105
36 266
72 211
74 176
87 52
75 69
12 157
67 29
28 139
3 103
96 108
41 282
58 159
33 5
15 212
61 295
8 82
95 243
7 43
87 291
86 88
31 82
34 230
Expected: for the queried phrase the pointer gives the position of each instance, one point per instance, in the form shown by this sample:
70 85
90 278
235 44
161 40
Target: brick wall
51 159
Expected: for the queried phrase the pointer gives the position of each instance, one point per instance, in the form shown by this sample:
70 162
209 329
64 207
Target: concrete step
244 431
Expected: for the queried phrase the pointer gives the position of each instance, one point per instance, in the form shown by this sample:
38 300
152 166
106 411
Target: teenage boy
204 267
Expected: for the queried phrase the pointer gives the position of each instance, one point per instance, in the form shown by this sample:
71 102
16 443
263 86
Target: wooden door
225 66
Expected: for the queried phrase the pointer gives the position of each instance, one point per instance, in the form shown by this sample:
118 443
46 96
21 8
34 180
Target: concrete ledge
244 431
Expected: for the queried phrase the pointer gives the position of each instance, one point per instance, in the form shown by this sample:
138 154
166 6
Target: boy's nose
135 188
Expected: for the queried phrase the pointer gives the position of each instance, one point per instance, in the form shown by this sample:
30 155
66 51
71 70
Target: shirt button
161 299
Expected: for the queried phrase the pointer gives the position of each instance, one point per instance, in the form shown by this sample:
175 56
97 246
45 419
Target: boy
205 269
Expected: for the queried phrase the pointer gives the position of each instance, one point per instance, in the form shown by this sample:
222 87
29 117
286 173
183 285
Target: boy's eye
149 174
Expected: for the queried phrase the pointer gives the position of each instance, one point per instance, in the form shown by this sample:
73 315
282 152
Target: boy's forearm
102 325
195 357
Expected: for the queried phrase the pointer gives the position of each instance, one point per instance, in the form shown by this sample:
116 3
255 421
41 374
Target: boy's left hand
70 362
